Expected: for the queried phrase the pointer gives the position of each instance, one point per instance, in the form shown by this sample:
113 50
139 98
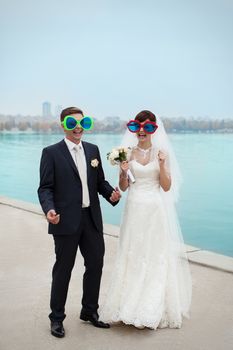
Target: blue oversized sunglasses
71 123
148 126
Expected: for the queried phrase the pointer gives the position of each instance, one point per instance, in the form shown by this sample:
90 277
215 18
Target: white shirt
71 147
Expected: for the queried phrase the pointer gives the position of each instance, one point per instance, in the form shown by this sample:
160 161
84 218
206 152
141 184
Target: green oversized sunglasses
71 123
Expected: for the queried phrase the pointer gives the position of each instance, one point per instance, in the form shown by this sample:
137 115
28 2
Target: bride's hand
124 167
161 158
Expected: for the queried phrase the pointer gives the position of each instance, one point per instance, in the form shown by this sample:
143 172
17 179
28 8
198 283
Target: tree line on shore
116 125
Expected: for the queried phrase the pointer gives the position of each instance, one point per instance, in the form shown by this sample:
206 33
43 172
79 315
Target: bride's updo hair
144 115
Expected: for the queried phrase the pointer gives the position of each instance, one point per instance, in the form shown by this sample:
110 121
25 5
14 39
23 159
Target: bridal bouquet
118 155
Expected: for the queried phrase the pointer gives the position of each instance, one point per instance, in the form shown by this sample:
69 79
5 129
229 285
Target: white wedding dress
150 284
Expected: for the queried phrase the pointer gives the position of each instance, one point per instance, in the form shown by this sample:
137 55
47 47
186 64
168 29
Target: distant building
46 109
112 121
58 110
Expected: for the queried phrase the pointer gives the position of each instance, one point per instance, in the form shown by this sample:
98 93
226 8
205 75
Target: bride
151 283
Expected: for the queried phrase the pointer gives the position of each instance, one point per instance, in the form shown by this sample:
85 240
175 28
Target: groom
71 176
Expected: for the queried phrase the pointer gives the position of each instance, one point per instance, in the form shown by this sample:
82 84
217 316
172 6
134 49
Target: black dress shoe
94 319
57 329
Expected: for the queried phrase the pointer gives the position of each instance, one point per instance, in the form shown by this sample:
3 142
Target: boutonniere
94 163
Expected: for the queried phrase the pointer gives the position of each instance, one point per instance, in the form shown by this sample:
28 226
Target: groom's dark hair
69 111
144 115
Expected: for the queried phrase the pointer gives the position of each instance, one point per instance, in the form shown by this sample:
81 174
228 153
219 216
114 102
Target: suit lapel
88 157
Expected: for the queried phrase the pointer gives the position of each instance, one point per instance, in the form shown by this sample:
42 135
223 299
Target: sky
115 58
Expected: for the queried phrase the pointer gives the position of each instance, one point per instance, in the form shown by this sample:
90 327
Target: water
206 205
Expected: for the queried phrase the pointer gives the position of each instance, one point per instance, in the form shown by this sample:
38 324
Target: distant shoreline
114 125
182 132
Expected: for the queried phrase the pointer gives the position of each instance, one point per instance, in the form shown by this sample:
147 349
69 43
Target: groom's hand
116 195
53 217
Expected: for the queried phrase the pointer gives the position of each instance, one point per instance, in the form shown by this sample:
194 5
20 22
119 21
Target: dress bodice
146 187
146 176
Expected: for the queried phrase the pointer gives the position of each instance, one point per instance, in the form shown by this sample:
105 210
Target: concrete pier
26 260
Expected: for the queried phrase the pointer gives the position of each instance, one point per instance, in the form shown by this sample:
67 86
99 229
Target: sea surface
205 208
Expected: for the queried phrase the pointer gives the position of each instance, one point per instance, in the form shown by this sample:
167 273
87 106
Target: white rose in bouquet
118 155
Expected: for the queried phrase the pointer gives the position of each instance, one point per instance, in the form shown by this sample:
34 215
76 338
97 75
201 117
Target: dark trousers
91 244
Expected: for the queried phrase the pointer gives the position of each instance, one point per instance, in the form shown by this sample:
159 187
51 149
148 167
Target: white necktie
83 175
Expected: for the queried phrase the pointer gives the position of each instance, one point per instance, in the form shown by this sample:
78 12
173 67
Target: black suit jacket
60 187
